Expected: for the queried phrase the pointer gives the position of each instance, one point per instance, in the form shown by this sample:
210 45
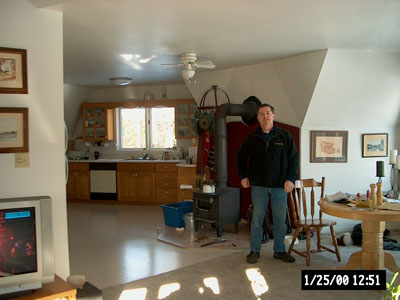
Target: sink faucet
145 155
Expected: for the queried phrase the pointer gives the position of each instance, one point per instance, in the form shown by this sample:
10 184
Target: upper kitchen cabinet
97 122
185 123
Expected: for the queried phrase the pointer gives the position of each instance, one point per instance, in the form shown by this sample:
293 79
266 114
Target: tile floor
115 244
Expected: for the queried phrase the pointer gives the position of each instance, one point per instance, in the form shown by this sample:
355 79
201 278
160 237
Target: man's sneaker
253 257
286 257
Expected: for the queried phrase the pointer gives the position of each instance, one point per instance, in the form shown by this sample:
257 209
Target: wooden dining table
371 256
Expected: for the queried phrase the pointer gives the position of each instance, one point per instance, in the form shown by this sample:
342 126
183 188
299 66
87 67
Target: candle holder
397 183
392 177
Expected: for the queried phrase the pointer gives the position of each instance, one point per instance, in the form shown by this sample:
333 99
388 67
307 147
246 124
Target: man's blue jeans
260 197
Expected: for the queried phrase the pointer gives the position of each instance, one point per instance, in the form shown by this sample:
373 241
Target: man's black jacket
270 163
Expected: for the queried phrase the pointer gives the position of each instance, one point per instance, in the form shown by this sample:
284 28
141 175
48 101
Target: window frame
148 129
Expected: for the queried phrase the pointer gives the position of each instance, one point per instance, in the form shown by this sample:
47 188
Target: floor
115 244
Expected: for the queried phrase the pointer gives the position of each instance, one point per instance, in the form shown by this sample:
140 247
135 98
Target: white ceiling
230 33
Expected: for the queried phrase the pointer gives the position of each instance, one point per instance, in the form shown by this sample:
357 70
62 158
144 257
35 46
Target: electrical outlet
22 160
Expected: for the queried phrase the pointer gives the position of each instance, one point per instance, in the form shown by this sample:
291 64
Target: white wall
74 96
357 91
40 32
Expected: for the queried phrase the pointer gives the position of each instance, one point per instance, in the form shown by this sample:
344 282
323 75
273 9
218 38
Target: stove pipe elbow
248 112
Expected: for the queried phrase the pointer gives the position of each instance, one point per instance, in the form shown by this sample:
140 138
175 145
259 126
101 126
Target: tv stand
55 290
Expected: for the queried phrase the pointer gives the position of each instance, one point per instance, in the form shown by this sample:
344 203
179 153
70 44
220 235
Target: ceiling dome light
121 80
188 72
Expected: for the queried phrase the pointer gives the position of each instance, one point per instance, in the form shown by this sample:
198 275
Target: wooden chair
298 202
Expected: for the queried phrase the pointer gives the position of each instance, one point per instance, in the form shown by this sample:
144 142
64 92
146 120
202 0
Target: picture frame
13 71
14 130
375 145
328 146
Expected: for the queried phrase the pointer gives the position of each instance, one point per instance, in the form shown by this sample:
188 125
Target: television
26 245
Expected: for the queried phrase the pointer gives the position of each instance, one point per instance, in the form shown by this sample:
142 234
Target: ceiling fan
190 64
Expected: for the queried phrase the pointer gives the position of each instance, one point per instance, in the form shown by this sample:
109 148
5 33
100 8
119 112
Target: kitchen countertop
123 160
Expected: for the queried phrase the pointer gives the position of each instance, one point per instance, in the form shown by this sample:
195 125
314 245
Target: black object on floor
89 292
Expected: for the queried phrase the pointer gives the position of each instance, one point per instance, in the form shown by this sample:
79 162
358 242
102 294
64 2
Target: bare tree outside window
133 128
162 127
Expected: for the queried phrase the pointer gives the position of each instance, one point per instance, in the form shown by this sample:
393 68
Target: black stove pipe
248 112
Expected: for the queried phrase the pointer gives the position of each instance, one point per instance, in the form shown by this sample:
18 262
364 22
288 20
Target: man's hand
288 186
245 182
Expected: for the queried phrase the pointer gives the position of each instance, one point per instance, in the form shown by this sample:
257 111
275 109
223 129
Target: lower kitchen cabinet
78 185
136 186
136 182
166 183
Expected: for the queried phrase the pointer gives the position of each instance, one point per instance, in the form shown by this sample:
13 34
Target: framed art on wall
328 146
13 71
375 145
14 130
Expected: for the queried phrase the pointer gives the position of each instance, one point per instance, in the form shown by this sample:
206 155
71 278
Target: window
146 128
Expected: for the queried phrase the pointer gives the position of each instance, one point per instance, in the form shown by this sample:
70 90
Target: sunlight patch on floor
212 283
167 289
257 281
137 294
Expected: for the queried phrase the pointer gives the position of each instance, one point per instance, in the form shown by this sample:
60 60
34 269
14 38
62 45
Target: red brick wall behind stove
237 132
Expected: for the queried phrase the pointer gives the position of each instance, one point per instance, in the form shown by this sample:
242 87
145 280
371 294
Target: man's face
265 116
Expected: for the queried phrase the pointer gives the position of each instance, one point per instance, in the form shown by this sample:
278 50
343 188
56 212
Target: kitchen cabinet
166 183
78 185
185 123
136 182
97 122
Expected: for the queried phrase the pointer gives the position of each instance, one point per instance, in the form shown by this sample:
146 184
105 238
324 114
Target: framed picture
14 135
13 71
375 145
328 146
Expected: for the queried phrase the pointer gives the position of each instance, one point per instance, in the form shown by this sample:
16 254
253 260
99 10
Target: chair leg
335 243
319 239
296 233
308 243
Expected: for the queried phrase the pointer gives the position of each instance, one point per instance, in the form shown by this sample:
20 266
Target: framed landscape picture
328 146
14 136
13 71
375 145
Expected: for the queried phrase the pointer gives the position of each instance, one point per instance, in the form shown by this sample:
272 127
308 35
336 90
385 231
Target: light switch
22 160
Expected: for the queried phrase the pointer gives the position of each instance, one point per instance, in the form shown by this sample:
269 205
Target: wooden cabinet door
71 186
145 185
82 187
78 186
126 186
97 122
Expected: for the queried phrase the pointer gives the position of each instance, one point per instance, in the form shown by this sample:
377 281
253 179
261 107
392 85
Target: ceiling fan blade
205 65
176 65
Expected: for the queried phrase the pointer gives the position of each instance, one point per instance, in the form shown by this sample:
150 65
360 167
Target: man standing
271 173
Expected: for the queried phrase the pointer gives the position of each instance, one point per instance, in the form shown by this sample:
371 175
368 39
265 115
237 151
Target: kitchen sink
139 158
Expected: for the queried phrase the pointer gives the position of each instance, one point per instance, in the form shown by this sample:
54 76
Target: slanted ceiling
286 84
356 88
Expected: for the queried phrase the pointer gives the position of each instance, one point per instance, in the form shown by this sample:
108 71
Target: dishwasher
103 181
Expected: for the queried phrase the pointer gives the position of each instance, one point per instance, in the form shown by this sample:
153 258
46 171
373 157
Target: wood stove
219 208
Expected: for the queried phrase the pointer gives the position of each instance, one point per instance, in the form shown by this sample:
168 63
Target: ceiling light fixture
121 80
188 72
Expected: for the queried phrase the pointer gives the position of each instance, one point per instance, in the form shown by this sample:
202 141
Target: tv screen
17 241
26 244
